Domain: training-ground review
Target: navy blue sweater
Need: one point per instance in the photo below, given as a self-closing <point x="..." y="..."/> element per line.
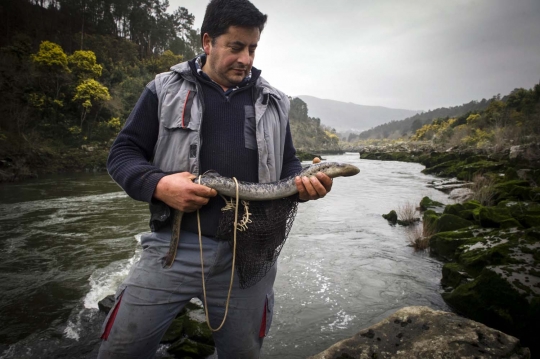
<point x="129" y="160"/>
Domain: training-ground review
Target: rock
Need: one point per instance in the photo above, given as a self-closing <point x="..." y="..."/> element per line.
<point x="492" y="217"/>
<point x="427" y="203"/>
<point x="461" y="194"/>
<point x="515" y="152"/>
<point x="106" y="304"/>
<point x="391" y="217"/>
<point x="187" y="348"/>
<point x="421" y="332"/>
<point x="445" y="244"/>
<point x="450" y="222"/>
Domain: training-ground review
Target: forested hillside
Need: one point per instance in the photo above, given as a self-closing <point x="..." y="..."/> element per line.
<point x="72" y="70"/>
<point x="406" y="127"/>
<point x="308" y="133"/>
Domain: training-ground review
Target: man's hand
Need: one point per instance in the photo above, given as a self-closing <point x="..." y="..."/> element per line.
<point x="180" y="192"/>
<point x="314" y="187"/>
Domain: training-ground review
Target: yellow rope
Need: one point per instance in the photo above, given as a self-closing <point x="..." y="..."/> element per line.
<point x="233" y="263"/>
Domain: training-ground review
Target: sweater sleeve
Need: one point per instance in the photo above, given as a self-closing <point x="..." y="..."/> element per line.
<point x="291" y="163"/>
<point x="130" y="155"/>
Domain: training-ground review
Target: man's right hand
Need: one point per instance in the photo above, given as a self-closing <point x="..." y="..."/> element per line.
<point x="180" y="192"/>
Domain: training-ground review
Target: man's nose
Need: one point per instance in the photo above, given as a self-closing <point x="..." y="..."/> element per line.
<point x="245" y="57"/>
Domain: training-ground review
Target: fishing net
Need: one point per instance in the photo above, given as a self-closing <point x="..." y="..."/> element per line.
<point x="263" y="227"/>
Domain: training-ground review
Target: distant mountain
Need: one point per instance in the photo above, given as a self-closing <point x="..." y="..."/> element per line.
<point x="345" y="116"/>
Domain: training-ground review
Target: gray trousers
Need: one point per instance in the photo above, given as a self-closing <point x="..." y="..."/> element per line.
<point x="151" y="297"/>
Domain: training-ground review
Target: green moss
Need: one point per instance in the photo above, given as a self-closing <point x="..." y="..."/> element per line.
<point x="511" y="174"/>
<point x="491" y="217"/>
<point x="187" y="348"/>
<point x="454" y="209"/>
<point x="453" y="274"/>
<point x="450" y="222"/>
<point x="175" y="331"/>
<point x="491" y="300"/>
<point x="427" y="203"/>
<point x="445" y="244"/>
<point x="391" y="217"/>
<point x="390" y="156"/>
<point x="532" y="220"/>
<point x="471" y="205"/>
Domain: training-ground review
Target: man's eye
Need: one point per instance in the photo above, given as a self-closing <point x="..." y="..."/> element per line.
<point x="236" y="49"/>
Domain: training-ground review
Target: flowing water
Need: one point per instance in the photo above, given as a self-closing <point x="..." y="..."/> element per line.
<point x="68" y="241"/>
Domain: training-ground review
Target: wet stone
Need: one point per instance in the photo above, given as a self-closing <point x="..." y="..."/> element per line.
<point x="449" y="336"/>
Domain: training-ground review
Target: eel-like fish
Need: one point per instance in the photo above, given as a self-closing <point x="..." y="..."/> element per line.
<point x="251" y="191"/>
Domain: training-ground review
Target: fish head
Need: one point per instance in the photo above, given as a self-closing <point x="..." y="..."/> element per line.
<point x="333" y="169"/>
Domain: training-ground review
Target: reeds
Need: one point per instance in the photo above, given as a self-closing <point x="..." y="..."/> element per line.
<point x="483" y="189"/>
<point x="420" y="234"/>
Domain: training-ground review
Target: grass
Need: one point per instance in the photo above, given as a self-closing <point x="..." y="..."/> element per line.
<point x="407" y="213"/>
<point x="483" y="189"/>
<point x="419" y="235"/>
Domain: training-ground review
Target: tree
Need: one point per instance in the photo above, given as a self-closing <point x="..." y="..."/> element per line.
<point x="83" y="65"/>
<point x="88" y="93"/>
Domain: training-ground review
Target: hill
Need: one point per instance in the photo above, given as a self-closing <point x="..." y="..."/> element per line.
<point x="344" y="116"/>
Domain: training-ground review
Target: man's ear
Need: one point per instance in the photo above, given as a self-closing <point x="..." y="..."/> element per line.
<point x="207" y="43"/>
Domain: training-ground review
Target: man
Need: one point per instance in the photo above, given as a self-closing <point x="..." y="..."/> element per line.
<point x="213" y="112"/>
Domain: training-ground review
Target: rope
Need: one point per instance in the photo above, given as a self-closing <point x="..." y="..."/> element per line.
<point x="232" y="268"/>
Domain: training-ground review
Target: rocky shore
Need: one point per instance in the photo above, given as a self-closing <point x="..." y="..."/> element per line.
<point x="490" y="238"/>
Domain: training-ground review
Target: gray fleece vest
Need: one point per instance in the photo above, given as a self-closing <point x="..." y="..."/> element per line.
<point x="180" y="113"/>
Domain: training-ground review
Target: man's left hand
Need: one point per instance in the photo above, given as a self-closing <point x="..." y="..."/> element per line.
<point x="314" y="187"/>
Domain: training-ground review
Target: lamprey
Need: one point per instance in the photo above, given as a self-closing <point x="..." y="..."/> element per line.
<point x="251" y="191"/>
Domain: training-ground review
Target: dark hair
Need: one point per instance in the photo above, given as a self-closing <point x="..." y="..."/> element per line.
<point x="220" y="14"/>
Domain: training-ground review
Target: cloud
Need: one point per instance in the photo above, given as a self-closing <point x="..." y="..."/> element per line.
<point x="403" y="54"/>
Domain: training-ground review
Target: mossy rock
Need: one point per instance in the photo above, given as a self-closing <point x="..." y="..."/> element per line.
<point x="306" y="156"/>
<point x="434" y="158"/>
<point x="197" y="330"/>
<point x="453" y="275"/>
<point x="531" y="220"/>
<point x="491" y="217"/>
<point x="471" y="205"/>
<point x="512" y="190"/>
<point x="490" y="250"/>
<point x="389" y="156"/>
<point x="511" y="174"/>
<point x="430" y="218"/>
<point x="187" y="348"/>
<point x="391" y="217"/>
<point x="482" y="166"/>
<point x="175" y="331"/>
<point x="427" y="203"/>
<point x="445" y="244"/>
<point x="454" y="209"/>
<point x="450" y="222"/>
<point x="511" y="223"/>
<point x="495" y="299"/>
<point x="444" y="169"/>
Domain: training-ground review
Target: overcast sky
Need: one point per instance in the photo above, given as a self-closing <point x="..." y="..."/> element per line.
<point x="409" y="54"/>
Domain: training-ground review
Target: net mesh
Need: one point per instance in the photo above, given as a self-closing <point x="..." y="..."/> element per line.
<point x="263" y="227"/>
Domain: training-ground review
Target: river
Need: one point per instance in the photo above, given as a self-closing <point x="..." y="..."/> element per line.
<point x="67" y="241"/>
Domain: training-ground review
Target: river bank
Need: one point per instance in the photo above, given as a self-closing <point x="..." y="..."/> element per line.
<point x="489" y="239"/>
<point x="18" y="163"/>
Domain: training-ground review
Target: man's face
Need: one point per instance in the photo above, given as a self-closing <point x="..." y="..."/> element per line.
<point x="230" y="57"/>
